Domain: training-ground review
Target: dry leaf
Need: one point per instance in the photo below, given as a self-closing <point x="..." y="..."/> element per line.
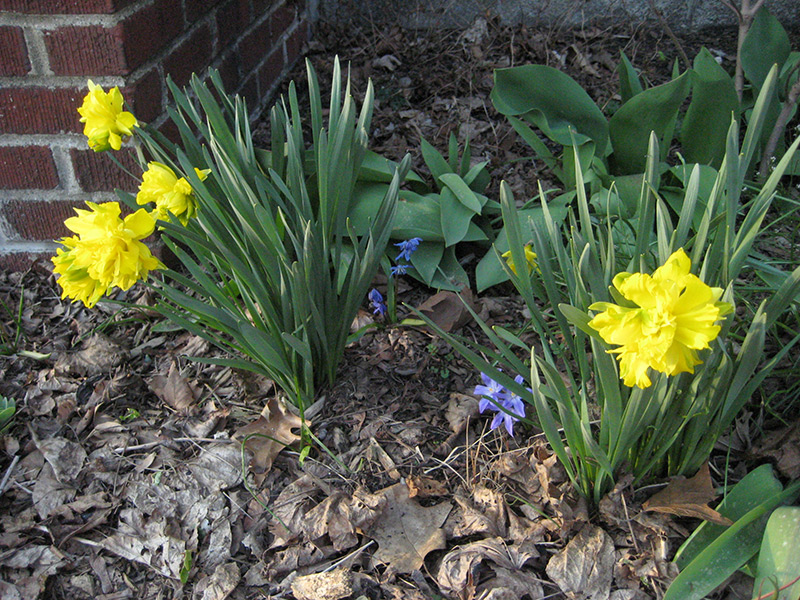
<point x="99" y="355"/>
<point x="65" y="457"/>
<point x="584" y="568"/>
<point x="219" y="467"/>
<point x="447" y="309"/>
<point x="783" y="446"/>
<point x="332" y="585"/>
<point x="290" y="509"/>
<point x="688" y="498"/>
<point x="460" y="409"/>
<point x="425" y="487"/>
<point x="219" y="584"/>
<point x="460" y="569"/>
<point x="333" y="517"/>
<point x="173" y="389"/>
<point x="268" y="435"/>
<point x="405" y="531"/>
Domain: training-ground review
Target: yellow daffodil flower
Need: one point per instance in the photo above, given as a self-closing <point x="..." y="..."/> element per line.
<point x="674" y="316"/>
<point x="530" y="258"/>
<point x="105" y="123"/>
<point x="106" y="253"/>
<point x="171" y="195"/>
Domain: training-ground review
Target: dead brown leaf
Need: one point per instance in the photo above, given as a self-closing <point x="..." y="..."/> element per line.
<point x="460" y="409"/>
<point x="331" y="585"/>
<point x="65" y="457"/>
<point x="425" y="487"/>
<point x="99" y="355"/>
<point x="783" y="446"/>
<point x="268" y="435"/>
<point x="173" y="389"/>
<point x="498" y="568"/>
<point x="583" y="569"/>
<point x="688" y="498"/>
<point x="219" y="584"/>
<point x="290" y="509"/>
<point x="447" y="309"/>
<point x="332" y="517"/>
<point x="405" y="531"/>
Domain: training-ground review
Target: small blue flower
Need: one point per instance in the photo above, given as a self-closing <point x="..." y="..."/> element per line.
<point x="490" y="390"/>
<point x="377" y="302"/>
<point x="495" y="396"/>
<point x="400" y="269"/>
<point x="407" y="248"/>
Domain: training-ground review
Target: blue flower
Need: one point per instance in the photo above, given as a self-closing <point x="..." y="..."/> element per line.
<point x="407" y="248"/>
<point x="400" y="269"/>
<point x="495" y="396"/>
<point x="377" y="302"/>
<point x="490" y="390"/>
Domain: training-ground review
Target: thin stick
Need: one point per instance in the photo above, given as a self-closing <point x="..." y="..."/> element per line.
<point x="148" y="445"/>
<point x="8" y="474"/>
<point x="780" y="125"/>
<point x="663" y="22"/>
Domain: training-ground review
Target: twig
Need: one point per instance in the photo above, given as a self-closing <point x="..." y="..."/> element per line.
<point x="148" y="445"/>
<point x="780" y="589"/>
<point x="780" y="124"/>
<point x="8" y="474"/>
<point x="745" y="16"/>
<point x="663" y="22"/>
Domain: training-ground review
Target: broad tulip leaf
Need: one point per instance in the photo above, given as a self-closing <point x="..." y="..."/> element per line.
<point x="765" y="44"/>
<point x="655" y="110"/>
<point x="629" y="84"/>
<point x="777" y="561"/>
<point x="551" y="100"/>
<point x="455" y="217"/>
<point x="714" y="103"/>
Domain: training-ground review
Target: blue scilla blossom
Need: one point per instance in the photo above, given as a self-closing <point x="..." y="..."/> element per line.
<point x="495" y="396"/>
<point x="407" y="248"/>
<point x="377" y="302"/>
<point x="400" y="269"/>
<point x="490" y="390"/>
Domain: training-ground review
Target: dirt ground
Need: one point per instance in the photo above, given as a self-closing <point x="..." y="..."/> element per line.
<point x="123" y="472"/>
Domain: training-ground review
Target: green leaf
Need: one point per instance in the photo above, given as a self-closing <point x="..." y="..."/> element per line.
<point x="455" y="217"/>
<point x="728" y="552"/>
<point x="777" y="561"/>
<point x="629" y="84"/>
<point x="462" y="191"/>
<point x="426" y="260"/>
<point x="714" y="103"/>
<point x="756" y="487"/>
<point x="489" y="270"/>
<point x="654" y="109"/>
<point x="765" y="44"/>
<point x="436" y="163"/>
<point x="553" y="101"/>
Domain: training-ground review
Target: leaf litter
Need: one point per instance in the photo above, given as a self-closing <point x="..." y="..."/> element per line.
<point x="134" y="473"/>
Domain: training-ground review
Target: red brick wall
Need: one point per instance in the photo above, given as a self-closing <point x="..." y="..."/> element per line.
<point x="49" y="48"/>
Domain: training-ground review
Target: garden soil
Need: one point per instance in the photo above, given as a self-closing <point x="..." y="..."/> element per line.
<point x="130" y="471"/>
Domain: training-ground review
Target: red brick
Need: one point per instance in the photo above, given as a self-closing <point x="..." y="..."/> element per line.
<point x="13" y="52"/>
<point x="281" y="20"/>
<point x="64" y="7"/>
<point x="294" y="45"/>
<point x="229" y="71"/>
<point x="270" y="71"/>
<point x="255" y="46"/>
<point x="22" y="261"/>
<point x="40" y="110"/>
<point x="232" y="19"/>
<point x="147" y="31"/>
<point x="27" y="168"/>
<point x="195" y="9"/>
<point x="97" y="172"/>
<point x="38" y="220"/>
<point x="193" y="55"/>
<point x="91" y="50"/>
<point x="169" y="130"/>
<point x="249" y="91"/>
<point x="144" y="96"/>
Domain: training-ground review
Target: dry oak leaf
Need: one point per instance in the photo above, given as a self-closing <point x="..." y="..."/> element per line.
<point x="220" y="584"/>
<point x="583" y="569"/>
<point x="405" y="531"/>
<point x="459" y="570"/>
<point x="330" y="585"/>
<point x="268" y="435"/>
<point x="447" y="309"/>
<point x="173" y="389"/>
<point x="688" y="498"/>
